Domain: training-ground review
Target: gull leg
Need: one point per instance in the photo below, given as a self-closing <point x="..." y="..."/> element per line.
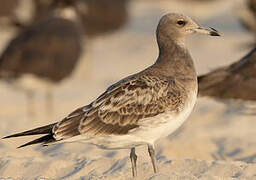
<point x="133" y="158"/>
<point x="31" y="104"/>
<point x="49" y="102"/>
<point x="85" y="65"/>
<point x="152" y="155"/>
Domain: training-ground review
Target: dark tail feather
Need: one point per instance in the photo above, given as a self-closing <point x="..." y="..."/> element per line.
<point x="45" y="139"/>
<point x="41" y="130"/>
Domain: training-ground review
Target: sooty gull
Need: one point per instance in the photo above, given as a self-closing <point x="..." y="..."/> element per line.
<point x="97" y="16"/>
<point x="140" y="108"/>
<point x="235" y="81"/>
<point x="41" y="55"/>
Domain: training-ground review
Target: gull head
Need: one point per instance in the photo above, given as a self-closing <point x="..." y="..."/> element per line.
<point x="178" y="26"/>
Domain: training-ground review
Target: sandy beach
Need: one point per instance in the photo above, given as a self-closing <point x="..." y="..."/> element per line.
<point x="216" y="142"/>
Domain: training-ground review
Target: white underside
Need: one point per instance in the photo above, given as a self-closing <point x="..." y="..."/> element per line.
<point x="149" y="131"/>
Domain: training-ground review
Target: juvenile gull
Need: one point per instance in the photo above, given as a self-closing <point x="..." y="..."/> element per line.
<point x="140" y="108"/>
<point x="97" y="17"/>
<point x="42" y="54"/>
<point x="235" y="81"/>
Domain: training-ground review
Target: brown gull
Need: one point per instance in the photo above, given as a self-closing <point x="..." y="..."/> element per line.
<point x="141" y="108"/>
<point x="42" y="55"/>
<point x="235" y="81"/>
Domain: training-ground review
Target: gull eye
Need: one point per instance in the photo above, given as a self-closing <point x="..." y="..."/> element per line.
<point x="181" y="22"/>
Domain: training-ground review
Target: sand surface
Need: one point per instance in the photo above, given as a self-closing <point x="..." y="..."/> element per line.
<point x="217" y="141"/>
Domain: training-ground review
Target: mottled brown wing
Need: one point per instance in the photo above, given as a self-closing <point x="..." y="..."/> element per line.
<point x="120" y="108"/>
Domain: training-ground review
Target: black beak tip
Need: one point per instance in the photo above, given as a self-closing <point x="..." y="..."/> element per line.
<point x="214" y="32"/>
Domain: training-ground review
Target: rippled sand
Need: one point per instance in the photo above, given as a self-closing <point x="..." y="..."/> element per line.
<point x="217" y="141"/>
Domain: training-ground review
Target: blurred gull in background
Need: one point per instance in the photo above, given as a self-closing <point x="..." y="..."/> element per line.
<point x="41" y="55"/>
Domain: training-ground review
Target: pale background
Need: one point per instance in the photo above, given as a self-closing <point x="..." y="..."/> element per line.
<point x="210" y="145"/>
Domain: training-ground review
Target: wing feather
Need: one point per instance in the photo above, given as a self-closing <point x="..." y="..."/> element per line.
<point x="121" y="108"/>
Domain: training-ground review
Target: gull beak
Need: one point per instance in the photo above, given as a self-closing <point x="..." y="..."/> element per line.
<point x="210" y="31"/>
